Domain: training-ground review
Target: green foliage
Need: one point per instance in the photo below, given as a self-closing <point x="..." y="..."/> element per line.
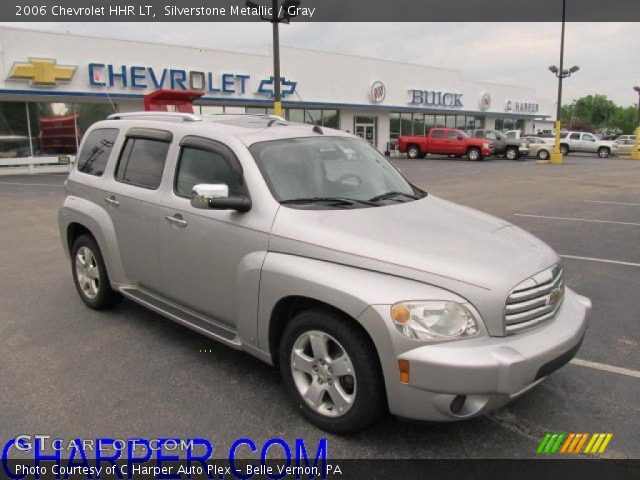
<point x="599" y="113"/>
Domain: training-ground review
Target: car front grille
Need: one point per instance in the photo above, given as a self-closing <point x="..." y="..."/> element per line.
<point x="534" y="301"/>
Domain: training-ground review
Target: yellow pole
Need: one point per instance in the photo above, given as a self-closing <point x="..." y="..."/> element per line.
<point x="277" y="109"/>
<point x="556" y="156"/>
<point x="635" y="154"/>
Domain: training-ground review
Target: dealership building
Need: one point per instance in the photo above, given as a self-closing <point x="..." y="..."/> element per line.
<point x="54" y="86"/>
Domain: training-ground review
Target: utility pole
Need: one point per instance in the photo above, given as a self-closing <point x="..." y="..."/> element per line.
<point x="561" y="73"/>
<point x="276" y="19"/>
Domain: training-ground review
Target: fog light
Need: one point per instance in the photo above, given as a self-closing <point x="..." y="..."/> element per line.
<point x="457" y="404"/>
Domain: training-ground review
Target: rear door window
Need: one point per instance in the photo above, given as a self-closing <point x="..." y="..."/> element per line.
<point x="96" y="150"/>
<point x="142" y="162"/>
<point x="437" y="134"/>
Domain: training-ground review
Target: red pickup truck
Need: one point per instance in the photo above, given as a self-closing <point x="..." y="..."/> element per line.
<point x="445" y="141"/>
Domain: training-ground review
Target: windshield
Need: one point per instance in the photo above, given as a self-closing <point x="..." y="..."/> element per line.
<point x="316" y="170"/>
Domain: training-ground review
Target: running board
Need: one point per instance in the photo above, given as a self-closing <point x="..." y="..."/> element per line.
<point x="189" y="319"/>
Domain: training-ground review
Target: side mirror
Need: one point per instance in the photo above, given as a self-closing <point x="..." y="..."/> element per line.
<point x="209" y="196"/>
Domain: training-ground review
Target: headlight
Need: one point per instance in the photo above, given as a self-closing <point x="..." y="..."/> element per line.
<point x="434" y="320"/>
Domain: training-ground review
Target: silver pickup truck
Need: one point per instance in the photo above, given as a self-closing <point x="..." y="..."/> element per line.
<point x="306" y="247"/>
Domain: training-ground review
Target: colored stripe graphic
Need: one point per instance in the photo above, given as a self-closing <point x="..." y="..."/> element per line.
<point x="558" y="442"/>
<point x="550" y="443"/>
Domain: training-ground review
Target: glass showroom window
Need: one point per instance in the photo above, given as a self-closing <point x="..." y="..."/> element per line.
<point x="451" y="121"/>
<point x="461" y="122"/>
<point x="429" y="123"/>
<point x="256" y="110"/>
<point x="440" y="121"/>
<point x="14" y="130"/>
<point x="41" y="129"/>
<point x="418" y="124"/>
<point x="406" y="124"/>
<point x="295" y="115"/>
<point x="331" y="119"/>
<point x="209" y="109"/>
<point x="394" y="125"/>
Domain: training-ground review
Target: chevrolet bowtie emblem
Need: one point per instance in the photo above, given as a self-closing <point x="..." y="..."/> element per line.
<point x="41" y="71"/>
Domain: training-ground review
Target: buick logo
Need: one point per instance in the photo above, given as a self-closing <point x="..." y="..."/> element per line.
<point x="485" y="101"/>
<point x="378" y="92"/>
<point x="554" y="296"/>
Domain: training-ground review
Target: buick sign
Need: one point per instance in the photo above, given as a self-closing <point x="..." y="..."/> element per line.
<point x="485" y="101"/>
<point x="433" y="98"/>
<point x="378" y="92"/>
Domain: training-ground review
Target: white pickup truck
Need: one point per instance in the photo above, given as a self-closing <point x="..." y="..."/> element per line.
<point x="584" y="142"/>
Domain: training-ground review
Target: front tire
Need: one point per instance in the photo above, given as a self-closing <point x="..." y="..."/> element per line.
<point x="474" y="154"/>
<point x="90" y="274"/>
<point x="604" y="152"/>
<point x="332" y="371"/>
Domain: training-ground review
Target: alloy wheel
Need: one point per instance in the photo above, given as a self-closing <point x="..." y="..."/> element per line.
<point x="87" y="272"/>
<point x="323" y="373"/>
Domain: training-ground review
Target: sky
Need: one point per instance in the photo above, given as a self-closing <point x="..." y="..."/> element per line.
<point x="506" y="53"/>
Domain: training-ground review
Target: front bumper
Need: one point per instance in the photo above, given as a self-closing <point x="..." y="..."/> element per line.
<point x="488" y="371"/>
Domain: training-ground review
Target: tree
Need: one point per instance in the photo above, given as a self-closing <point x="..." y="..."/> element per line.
<point x="597" y="112"/>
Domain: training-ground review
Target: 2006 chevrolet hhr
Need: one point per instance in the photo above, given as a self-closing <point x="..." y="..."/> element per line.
<point x="305" y="247"/>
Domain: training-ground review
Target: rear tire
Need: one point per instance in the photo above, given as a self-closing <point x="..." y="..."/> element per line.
<point x="474" y="154"/>
<point x="604" y="152"/>
<point x="564" y="149"/>
<point x="543" y="155"/>
<point x="511" y="154"/>
<point x="90" y="274"/>
<point x="322" y="356"/>
<point x="413" y="152"/>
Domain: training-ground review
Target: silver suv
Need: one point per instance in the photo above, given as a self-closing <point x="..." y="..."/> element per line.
<point x="307" y="248"/>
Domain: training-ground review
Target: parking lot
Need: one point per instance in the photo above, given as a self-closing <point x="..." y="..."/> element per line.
<point x="72" y="372"/>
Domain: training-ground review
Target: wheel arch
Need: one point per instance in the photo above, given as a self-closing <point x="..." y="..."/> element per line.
<point x="78" y="216"/>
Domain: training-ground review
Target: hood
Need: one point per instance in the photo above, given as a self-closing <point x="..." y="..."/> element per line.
<point x="475" y="255"/>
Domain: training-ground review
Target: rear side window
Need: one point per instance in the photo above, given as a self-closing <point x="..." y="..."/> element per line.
<point x="142" y="162"/>
<point x="437" y="134"/>
<point x="96" y="150"/>
<point x="575" y="136"/>
<point x="204" y="166"/>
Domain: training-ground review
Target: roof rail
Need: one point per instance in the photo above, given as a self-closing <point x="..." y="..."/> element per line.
<point x="185" y="117"/>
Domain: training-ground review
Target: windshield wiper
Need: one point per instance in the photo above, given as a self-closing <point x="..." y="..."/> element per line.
<point x="388" y="195"/>
<point x="336" y="200"/>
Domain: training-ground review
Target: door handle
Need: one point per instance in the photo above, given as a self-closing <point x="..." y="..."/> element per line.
<point x="111" y="201"/>
<point x="178" y="221"/>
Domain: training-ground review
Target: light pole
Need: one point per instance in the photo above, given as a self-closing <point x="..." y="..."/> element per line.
<point x="278" y="16"/>
<point x="635" y="154"/>
<point x="561" y="73"/>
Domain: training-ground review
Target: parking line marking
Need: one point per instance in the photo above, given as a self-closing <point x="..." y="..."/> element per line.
<point x="603" y="260"/>
<point x="614" y="203"/>
<point x="32" y="184"/>
<point x="577" y="219"/>
<point x="606" y="368"/>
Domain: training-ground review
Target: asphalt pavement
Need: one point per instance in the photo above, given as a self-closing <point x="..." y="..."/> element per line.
<point x="68" y="371"/>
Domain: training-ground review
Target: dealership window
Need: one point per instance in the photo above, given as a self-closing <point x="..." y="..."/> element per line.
<point x="440" y="121"/>
<point x="209" y="109"/>
<point x="326" y="117"/>
<point x="418" y="124"/>
<point x="406" y="124"/>
<point x="14" y="130"/>
<point x="450" y="121"/>
<point x="505" y="124"/>
<point x="461" y="122"/>
<point x="394" y="125"/>
<point x="46" y="129"/>
<point x="429" y="122"/>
